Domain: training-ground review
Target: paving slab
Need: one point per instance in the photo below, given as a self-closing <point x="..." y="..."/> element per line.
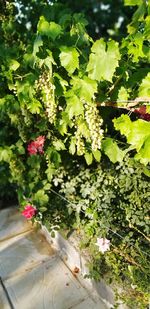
<point x="12" y="223"/>
<point x="22" y="252"/>
<point x="48" y="286"/>
<point x="34" y="274"/>
<point x="4" y="304"/>
<point x="90" y="304"/>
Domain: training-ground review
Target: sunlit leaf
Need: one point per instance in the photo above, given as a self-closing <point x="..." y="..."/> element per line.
<point x="144" y="89"/>
<point x="88" y="157"/>
<point x="103" y="60"/>
<point x="136" y="132"/>
<point x="97" y="155"/>
<point x="85" y="88"/>
<point x="74" y="106"/>
<point x="51" y="29"/>
<point x="132" y="2"/>
<point x="69" y="58"/>
<point x="111" y="149"/>
<point x="14" y="64"/>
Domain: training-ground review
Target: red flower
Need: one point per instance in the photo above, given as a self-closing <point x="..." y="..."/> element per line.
<point x="36" y="146"/>
<point x="29" y="211"/>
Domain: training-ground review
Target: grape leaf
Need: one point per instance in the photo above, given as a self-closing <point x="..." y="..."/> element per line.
<point x="135" y="47"/>
<point x="13" y="64"/>
<point x="132" y="2"/>
<point x="123" y="94"/>
<point x="97" y="155"/>
<point x="59" y="145"/>
<point x="83" y="127"/>
<point x="34" y="106"/>
<point x="74" y="106"/>
<point x="103" y="60"/>
<point x="43" y="26"/>
<point x="89" y="158"/>
<point x="69" y="58"/>
<point x="20" y="148"/>
<point x="144" y="89"/>
<point x="147" y="28"/>
<point x="37" y="43"/>
<point x="148" y="109"/>
<point x="111" y="149"/>
<point x="5" y="154"/>
<point x="139" y="13"/>
<point x="40" y="197"/>
<point x="42" y="209"/>
<point x="64" y="122"/>
<point x="144" y="154"/>
<point x="85" y="88"/>
<point x="51" y="29"/>
<point x="50" y="171"/>
<point x="136" y="132"/>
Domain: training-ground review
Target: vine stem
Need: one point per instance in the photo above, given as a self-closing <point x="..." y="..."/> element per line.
<point x="136" y="229"/>
<point x="131" y="103"/>
<point x="127" y="258"/>
<point x="115" y="83"/>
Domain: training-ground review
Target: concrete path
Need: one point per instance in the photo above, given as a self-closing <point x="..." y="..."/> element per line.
<point x="32" y="274"/>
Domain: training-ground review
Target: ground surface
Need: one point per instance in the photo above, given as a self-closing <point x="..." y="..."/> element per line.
<point x="32" y="274"/>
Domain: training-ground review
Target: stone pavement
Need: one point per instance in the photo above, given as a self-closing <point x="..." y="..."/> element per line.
<point x="32" y="273"/>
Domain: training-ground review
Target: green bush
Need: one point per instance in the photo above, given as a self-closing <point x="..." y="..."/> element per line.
<point x="111" y="201"/>
<point x="54" y="79"/>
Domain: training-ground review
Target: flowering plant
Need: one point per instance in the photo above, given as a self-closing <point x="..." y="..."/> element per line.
<point x="103" y="244"/>
<point x="29" y="211"/>
<point x="36" y="146"/>
<point x="55" y="81"/>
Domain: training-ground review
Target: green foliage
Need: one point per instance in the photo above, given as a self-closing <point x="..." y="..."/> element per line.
<point x="112" y="202"/>
<point x="137" y="134"/>
<point x="53" y="79"/>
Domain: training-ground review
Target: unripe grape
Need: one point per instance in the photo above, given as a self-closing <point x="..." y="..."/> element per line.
<point x="47" y="94"/>
<point x="94" y="122"/>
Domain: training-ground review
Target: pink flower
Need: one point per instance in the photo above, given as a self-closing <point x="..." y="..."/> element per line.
<point x="36" y="146"/>
<point x="32" y="149"/>
<point x="29" y="211"/>
<point x="103" y="244"/>
<point x="40" y="143"/>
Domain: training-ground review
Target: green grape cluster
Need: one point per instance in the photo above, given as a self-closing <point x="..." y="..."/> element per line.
<point x="47" y="89"/>
<point x="94" y="122"/>
<point x="79" y="142"/>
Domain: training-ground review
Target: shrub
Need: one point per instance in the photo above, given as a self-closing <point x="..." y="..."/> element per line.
<point x="112" y="201"/>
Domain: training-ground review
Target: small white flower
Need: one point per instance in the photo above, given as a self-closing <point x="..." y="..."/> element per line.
<point x="55" y="182"/>
<point x="103" y="244"/>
